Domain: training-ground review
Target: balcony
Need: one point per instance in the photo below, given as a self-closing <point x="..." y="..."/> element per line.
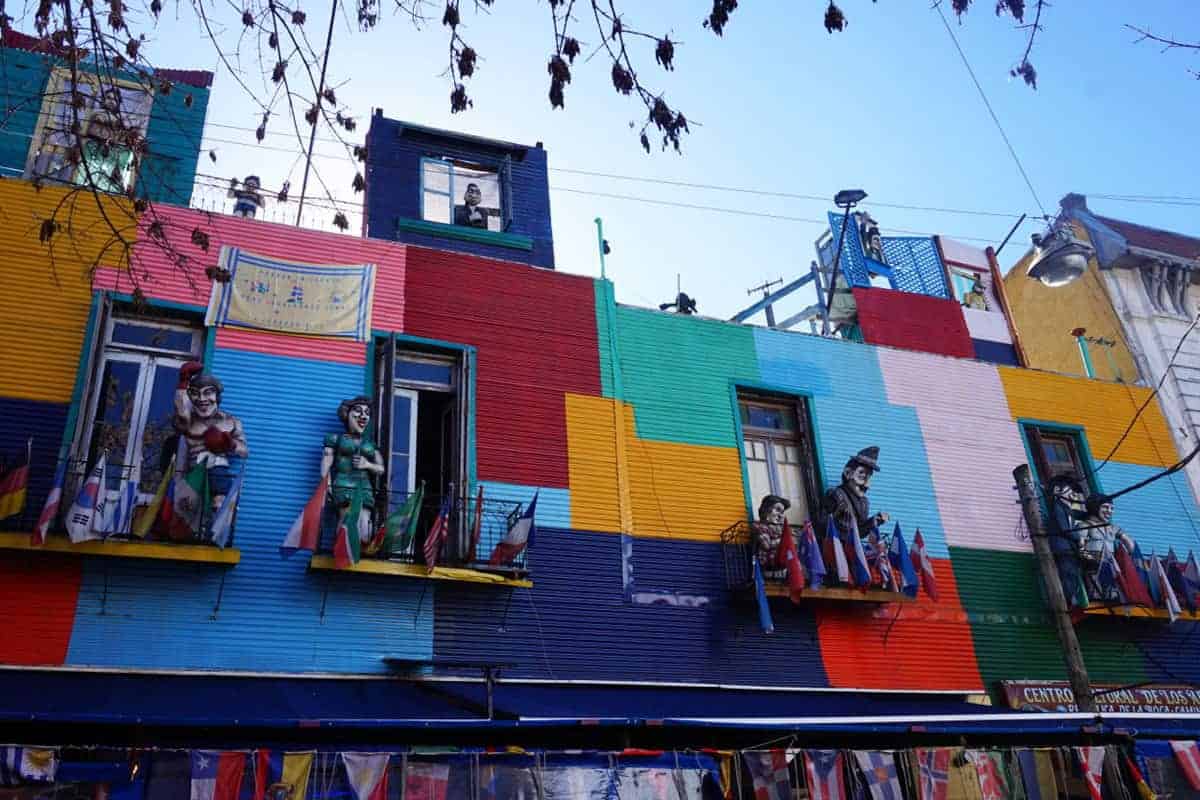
<point x="457" y="560"/>
<point x="211" y="193"/>
<point x="738" y="554"/>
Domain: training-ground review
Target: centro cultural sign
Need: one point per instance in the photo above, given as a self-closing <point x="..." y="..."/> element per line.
<point x="1110" y="697"/>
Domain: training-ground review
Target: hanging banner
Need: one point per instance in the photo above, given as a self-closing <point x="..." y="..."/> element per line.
<point x="286" y="296"/>
<point x="1111" y="697"/>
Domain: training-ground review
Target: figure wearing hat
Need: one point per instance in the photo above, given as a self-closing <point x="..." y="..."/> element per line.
<point x="768" y="532"/>
<point x="847" y="502"/>
<point x="1068" y="512"/>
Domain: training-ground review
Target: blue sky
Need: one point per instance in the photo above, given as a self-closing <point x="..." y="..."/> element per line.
<point x="778" y="105"/>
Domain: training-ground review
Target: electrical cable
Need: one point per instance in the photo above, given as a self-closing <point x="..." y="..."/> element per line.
<point x="991" y="111"/>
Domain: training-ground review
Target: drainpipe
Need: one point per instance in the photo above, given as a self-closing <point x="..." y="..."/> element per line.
<point x="1081" y="340"/>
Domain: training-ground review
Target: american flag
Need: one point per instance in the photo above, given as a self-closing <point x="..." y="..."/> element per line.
<point x="437" y="533"/>
<point x="823" y="770"/>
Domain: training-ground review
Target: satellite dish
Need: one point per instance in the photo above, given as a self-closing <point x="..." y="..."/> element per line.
<point x="1059" y="258"/>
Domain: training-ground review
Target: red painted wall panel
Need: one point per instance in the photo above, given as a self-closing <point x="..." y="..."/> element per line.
<point x="921" y="645"/>
<point x="38" y="594"/>
<point x="913" y="322"/>
<point x="535" y="332"/>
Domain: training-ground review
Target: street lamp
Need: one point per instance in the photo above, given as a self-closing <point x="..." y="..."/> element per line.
<point x="846" y="199"/>
<point x="1058" y="257"/>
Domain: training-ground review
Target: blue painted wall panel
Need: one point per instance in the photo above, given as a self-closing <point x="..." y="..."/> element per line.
<point x="553" y="508"/>
<point x="393" y="176"/>
<point x="168" y="170"/>
<point x="19" y="420"/>
<point x="274" y="614"/>
<point x="1158" y="516"/>
<point x="575" y="624"/>
<point x="850" y="411"/>
<point x="23" y="79"/>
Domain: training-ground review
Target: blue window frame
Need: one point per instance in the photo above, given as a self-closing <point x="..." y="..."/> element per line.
<point x="444" y="187"/>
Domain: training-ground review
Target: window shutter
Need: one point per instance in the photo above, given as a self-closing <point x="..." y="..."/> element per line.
<point x="385" y="367"/>
<point x="506" y="191"/>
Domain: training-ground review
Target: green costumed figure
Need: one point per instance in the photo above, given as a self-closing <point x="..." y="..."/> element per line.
<point x="350" y="460"/>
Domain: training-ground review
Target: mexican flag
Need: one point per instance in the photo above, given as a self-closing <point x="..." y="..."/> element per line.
<point x="193" y="500"/>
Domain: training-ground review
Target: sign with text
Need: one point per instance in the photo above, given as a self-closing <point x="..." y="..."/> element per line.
<point x="274" y="295"/>
<point x="1111" y="697"/>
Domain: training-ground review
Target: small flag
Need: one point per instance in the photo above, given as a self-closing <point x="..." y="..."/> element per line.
<point x="1187" y="756"/>
<point x="88" y="507"/>
<point x="217" y="775"/>
<point x="1168" y="594"/>
<point x="769" y="773"/>
<point x="426" y="781"/>
<point x="519" y="537"/>
<point x="1130" y="580"/>
<point x="992" y="785"/>
<point x="305" y="533"/>
<point x="1109" y="573"/>
<point x="279" y="774"/>
<point x="367" y="774"/>
<point x="50" y="508"/>
<point x="879" y="555"/>
<point x="21" y="765"/>
<point x="193" y="498"/>
<point x="1147" y="574"/>
<point x="1191" y="579"/>
<point x="787" y="555"/>
<point x="1091" y="760"/>
<point x="760" y="595"/>
<point x="222" y="524"/>
<point x="396" y="533"/>
<point x="933" y="767"/>
<point x="856" y="557"/>
<point x="902" y="562"/>
<point x="145" y="521"/>
<point x="353" y="529"/>
<point x="1174" y="569"/>
<point x="1139" y="781"/>
<point x="810" y="557"/>
<point x="118" y="515"/>
<point x="834" y="552"/>
<point x="476" y="527"/>
<point x="824" y="773"/>
<point x="15" y="485"/>
<point x="440" y="529"/>
<point x="924" y="566"/>
<point x="878" y="769"/>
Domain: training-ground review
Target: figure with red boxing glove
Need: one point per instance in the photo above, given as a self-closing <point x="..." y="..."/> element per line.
<point x="214" y="438"/>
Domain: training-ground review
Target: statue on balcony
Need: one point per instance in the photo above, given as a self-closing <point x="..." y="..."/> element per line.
<point x="247" y="199"/>
<point x="768" y="532"/>
<point x="214" y="438"/>
<point x="351" y="461"/>
<point x="872" y="241"/>
<point x="1067" y="514"/>
<point x="847" y="502"/>
<point x="1101" y="538"/>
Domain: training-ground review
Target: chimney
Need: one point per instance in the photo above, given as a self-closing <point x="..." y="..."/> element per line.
<point x="1073" y="202"/>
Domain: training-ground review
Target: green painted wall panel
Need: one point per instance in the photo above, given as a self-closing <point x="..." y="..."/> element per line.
<point x="169" y="169"/>
<point x="1013" y="633"/>
<point x="23" y="79"/>
<point x="676" y="371"/>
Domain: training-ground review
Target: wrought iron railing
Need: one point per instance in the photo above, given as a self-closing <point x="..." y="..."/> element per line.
<point x="462" y="547"/>
<point x="211" y="193"/>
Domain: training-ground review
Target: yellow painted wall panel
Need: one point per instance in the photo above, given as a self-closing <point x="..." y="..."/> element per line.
<point x="45" y="295"/>
<point x="674" y="490"/>
<point x="1045" y="317"/>
<point x="1103" y="409"/>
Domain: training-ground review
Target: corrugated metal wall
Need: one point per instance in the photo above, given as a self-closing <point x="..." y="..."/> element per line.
<point x="168" y="169"/>
<point x="930" y="324"/>
<point x="23" y="77"/>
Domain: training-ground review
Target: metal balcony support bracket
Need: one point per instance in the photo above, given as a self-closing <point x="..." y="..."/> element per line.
<point x="489" y="670"/>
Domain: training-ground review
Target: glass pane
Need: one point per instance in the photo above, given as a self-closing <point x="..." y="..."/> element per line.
<point x="424" y="371"/>
<point x="399" y="480"/>
<point x="156" y="337"/>
<point x="402" y="446"/>
<point x="115" y="408"/>
<point x="159" y="435"/>
<point x="436" y="176"/>
<point x="773" y="417"/>
<point x="757" y="472"/>
<point x="436" y="208"/>
<point x="791" y="485"/>
<point x="477" y="198"/>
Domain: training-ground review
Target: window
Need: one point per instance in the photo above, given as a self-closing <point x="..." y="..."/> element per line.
<point x="112" y="118"/>
<point x="777" y="445"/>
<point x="424" y="424"/>
<point x="460" y="193"/>
<point x="130" y="405"/>
<point x="1056" y="452"/>
<point x="963" y="282"/>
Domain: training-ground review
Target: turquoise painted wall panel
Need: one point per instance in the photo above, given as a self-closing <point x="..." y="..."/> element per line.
<point x="23" y="79"/>
<point x="676" y="370"/>
<point x="274" y="614"/>
<point x="850" y="411"/>
<point x="604" y="323"/>
<point x="169" y="169"/>
<point x="1158" y="516"/>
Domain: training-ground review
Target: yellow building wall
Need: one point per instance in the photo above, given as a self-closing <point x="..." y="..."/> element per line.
<point x="1103" y="409"/>
<point x="45" y="292"/>
<point x="662" y="489"/>
<point x="1045" y="317"/>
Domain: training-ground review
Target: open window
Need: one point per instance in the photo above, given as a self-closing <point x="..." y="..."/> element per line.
<point x="463" y="193"/>
<point x="90" y="131"/>
<point x="127" y="413"/>
<point x="422" y="393"/>
<point x="777" y="446"/>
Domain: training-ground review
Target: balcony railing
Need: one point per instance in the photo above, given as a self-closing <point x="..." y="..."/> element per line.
<point x="211" y="193"/>
<point x="460" y="548"/>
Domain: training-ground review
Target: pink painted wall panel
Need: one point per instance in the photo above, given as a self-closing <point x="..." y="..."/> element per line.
<point x="283" y="344"/>
<point x="971" y="441"/>
<point x="161" y="279"/>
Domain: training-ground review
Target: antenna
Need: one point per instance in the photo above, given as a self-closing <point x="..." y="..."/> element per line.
<point x="765" y="288"/>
